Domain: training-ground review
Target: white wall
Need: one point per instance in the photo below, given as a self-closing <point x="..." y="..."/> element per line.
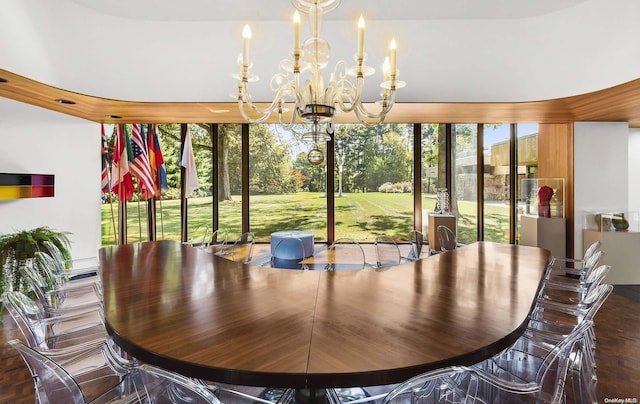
<point x="69" y="148"/>
<point x="579" y="49"/>
<point x="634" y="170"/>
<point x="601" y="171"/>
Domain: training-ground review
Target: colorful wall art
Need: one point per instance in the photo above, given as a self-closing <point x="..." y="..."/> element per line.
<point x="16" y="186"/>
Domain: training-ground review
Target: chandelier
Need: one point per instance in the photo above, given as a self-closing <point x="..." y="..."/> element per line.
<point x="315" y="99"/>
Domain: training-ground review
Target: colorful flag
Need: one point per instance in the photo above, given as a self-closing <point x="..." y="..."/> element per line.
<point x="106" y="178"/>
<point x="122" y="183"/>
<point x="156" y="161"/>
<point x="189" y="163"/>
<point x="140" y="165"/>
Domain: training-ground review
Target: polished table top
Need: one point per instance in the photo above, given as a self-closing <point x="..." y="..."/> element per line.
<point x="204" y="316"/>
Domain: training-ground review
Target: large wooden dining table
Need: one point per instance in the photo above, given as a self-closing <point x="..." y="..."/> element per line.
<point x="204" y="316"/>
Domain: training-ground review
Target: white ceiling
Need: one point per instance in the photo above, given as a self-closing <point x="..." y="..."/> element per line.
<point x="448" y="50"/>
<point x="270" y="10"/>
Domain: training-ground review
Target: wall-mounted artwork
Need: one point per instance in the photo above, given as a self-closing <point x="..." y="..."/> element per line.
<point x="16" y="186"/>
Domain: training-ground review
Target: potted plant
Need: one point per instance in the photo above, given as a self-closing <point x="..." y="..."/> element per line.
<point x="18" y="249"/>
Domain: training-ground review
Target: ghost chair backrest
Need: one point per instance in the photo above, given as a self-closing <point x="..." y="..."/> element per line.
<point x="387" y="251"/>
<point x="447" y="238"/>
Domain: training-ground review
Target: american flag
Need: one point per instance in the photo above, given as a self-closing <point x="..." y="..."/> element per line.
<point x="156" y="161"/>
<point x="122" y="183"/>
<point x="106" y="178"/>
<point x="140" y="165"/>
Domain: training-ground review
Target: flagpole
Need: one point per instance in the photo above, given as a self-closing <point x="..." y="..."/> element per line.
<point x="109" y="192"/>
<point x="161" y="219"/>
<point x="122" y="216"/>
<point x="139" y="220"/>
<point x="113" y="218"/>
<point x="151" y="218"/>
<point x="183" y="196"/>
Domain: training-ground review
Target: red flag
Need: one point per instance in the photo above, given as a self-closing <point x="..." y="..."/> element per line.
<point x="106" y="178"/>
<point x="140" y="165"/>
<point x="156" y="161"/>
<point x="120" y="170"/>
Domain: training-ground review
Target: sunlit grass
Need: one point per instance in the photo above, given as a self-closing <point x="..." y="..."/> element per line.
<point x="360" y="216"/>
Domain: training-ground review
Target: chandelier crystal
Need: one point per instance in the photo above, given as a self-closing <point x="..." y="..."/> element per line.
<point x="300" y="80"/>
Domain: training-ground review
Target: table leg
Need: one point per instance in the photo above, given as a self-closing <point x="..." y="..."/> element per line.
<point x="310" y="396"/>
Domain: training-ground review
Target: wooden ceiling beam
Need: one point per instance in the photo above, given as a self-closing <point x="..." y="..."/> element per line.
<point x="616" y="104"/>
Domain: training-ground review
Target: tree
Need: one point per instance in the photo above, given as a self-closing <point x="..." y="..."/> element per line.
<point x="270" y="169"/>
<point x="226" y="135"/>
<point x="313" y="176"/>
<point x="373" y="155"/>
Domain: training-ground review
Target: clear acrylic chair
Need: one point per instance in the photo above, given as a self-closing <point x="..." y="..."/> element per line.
<point x="560" y="274"/>
<point x="54" y="301"/>
<point x="199" y="237"/>
<point x="218" y="242"/>
<point x="572" y="309"/>
<point x="71" y="331"/>
<point x="242" y="249"/>
<point x="581" y="285"/>
<point x="416" y="239"/>
<point x="55" y="274"/>
<point x="506" y="378"/>
<point x="444" y="385"/>
<point x="53" y="298"/>
<point x="447" y="238"/>
<point x="387" y="251"/>
<point x="533" y="351"/>
<point x="571" y="295"/>
<point x="550" y="328"/>
<point x="163" y="386"/>
<point x="571" y="266"/>
<point x="345" y="253"/>
<point x="72" y="269"/>
<point x="54" y="384"/>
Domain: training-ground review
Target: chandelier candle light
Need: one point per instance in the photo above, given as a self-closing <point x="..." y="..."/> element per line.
<point x="314" y="100"/>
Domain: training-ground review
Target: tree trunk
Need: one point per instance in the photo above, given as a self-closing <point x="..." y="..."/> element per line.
<point x="224" y="189"/>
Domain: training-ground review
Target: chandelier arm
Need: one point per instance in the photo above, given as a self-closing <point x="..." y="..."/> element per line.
<point x="245" y="102"/>
<point x="335" y="88"/>
<point x="350" y="94"/>
<point x="364" y="120"/>
<point x="362" y="113"/>
<point x="301" y="102"/>
<point x="289" y="125"/>
<point x="264" y="114"/>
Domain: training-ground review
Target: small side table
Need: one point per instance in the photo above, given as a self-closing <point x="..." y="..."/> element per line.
<point x="435" y="220"/>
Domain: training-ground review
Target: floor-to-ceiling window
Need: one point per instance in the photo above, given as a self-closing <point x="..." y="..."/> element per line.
<point x="200" y="200"/>
<point x="497" y="163"/>
<point x="373" y="187"/>
<point x="464" y="192"/>
<point x="229" y="171"/>
<point x="433" y="166"/>
<point x="267" y="182"/>
<point x="286" y="190"/>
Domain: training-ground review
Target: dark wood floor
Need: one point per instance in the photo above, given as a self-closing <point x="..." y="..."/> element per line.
<point x="617" y="353"/>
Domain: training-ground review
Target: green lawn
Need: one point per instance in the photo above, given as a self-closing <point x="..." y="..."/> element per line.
<point x="360" y="216"/>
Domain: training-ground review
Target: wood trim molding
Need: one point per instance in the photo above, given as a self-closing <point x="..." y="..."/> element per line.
<point x="616" y="104"/>
<point x="555" y="160"/>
